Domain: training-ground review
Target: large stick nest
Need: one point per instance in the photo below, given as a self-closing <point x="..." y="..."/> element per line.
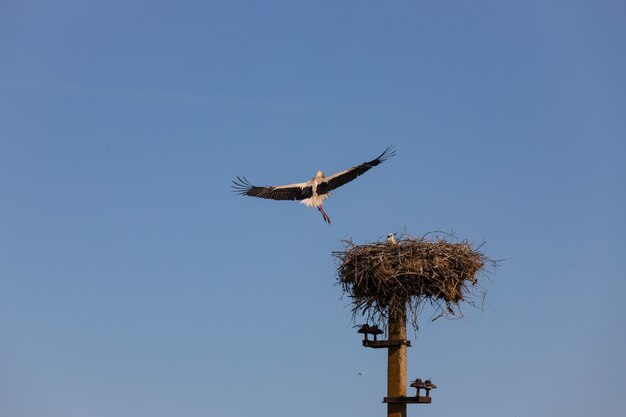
<point x="384" y="279"/>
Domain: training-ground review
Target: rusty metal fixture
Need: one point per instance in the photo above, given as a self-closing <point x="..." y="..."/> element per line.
<point x="378" y="344"/>
<point x="366" y="330"/>
<point x="408" y="400"/>
<point x="374" y="330"/>
<point x="426" y="385"/>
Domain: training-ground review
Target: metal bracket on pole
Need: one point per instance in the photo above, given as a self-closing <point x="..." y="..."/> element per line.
<point x="418" y="399"/>
<point x="366" y="330"/>
<point x="377" y="344"/>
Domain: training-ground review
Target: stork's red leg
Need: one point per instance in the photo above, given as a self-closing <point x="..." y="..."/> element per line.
<point x="322" y="211"/>
<point x="326" y="218"/>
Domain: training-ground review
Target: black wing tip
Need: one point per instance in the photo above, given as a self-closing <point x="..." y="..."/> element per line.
<point x="241" y="185"/>
<point x="387" y="153"/>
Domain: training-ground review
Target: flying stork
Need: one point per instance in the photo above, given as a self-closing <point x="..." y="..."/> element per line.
<point x="311" y="193"/>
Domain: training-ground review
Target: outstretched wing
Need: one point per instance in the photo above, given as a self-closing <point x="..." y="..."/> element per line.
<point x="344" y="177"/>
<point x="298" y="191"/>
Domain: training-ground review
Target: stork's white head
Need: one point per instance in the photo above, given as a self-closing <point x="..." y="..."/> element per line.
<point x="319" y="174"/>
<point x="391" y="238"/>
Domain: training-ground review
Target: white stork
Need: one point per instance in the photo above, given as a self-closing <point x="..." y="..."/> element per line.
<point x="311" y="193"/>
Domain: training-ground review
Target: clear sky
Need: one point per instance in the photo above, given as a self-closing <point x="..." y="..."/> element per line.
<point x="134" y="283"/>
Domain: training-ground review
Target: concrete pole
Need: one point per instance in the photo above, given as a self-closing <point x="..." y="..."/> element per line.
<point x="396" y="366"/>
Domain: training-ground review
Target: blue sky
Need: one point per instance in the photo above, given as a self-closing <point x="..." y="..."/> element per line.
<point x="135" y="283"/>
